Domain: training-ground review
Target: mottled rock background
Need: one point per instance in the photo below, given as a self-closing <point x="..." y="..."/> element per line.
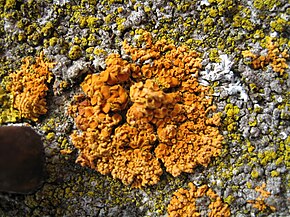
<point x="254" y="103"/>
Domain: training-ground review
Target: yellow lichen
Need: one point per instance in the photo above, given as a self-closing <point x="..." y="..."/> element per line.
<point x="29" y="87"/>
<point x="155" y="102"/>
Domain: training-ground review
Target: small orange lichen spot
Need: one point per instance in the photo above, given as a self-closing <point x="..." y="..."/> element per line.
<point x="134" y="114"/>
<point x="29" y="87"/>
<point x="66" y="151"/>
<point x="259" y="203"/>
<point x="183" y="202"/>
<point x="274" y="57"/>
<point x="218" y="208"/>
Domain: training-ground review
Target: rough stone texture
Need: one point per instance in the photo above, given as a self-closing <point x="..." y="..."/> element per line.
<point x="253" y="100"/>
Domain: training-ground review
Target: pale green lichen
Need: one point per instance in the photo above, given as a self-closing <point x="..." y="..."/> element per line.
<point x="255" y="174"/>
<point x="232" y="117"/>
<point x="267" y="156"/>
<point x="275" y="173"/>
<point x="214" y="55"/>
<point x="279" y="24"/>
<point x="229" y="199"/>
<point x="7" y="113"/>
<point x="93" y="22"/>
<point x="75" y="52"/>
<point x="50" y="136"/>
<point x="253" y="123"/>
<point x="285" y="149"/>
<point x="47" y="29"/>
<point x="266" y="4"/>
<point x="242" y="19"/>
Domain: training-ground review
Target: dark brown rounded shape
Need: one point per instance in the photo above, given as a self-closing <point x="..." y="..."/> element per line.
<point x="21" y="160"/>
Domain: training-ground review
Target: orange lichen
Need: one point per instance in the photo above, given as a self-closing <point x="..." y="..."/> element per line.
<point x="105" y="89"/>
<point x="259" y="203"/>
<point x="170" y="64"/>
<point x="217" y="207"/>
<point x="29" y="87"/>
<point x="183" y="202"/>
<point x="133" y="114"/>
<point x="66" y="151"/>
<point x="196" y="141"/>
<point x="274" y="57"/>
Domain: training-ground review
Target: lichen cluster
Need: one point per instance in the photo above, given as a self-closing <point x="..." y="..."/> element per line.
<point x="7" y="113"/>
<point x="248" y="73"/>
<point x="134" y="113"/>
<point x="183" y="202"/>
<point x="259" y="203"/>
<point x="28" y="87"/>
<point x="274" y="57"/>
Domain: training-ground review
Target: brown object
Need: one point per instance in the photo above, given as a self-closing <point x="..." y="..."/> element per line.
<point x="21" y="160"/>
